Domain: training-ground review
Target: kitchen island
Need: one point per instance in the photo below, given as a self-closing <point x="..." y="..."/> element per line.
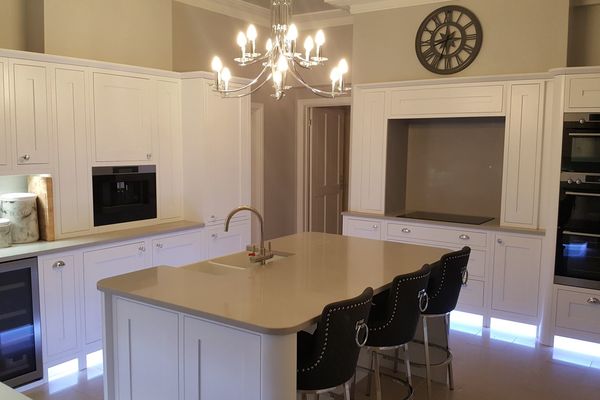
<point x="226" y="328"/>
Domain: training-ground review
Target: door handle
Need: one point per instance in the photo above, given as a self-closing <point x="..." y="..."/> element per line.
<point x="406" y="230"/>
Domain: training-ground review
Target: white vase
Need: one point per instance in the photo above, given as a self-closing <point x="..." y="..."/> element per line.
<point x="5" y="237"/>
<point x="21" y="210"/>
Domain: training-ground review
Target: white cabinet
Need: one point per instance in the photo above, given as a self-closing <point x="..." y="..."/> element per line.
<point x="71" y="135"/>
<point x="516" y="277"/>
<point x="122" y="118"/>
<point x="178" y="250"/>
<point x="4" y="116"/>
<point x="216" y="152"/>
<point x="577" y="313"/>
<point x="31" y="112"/>
<point x="220" y="243"/>
<point x="582" y="93"/>
<point x="522" y="155"/>
<point x="363" y="228"/>
<point x="212" y="352"/>
<point x="147" y="359"/>
<point x="104" y="263"/>
<point x="59" y="292"/>
<point x="169" y="173"/>
<point x="368" y="152"/>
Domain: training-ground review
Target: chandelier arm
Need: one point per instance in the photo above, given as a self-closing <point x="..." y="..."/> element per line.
<point x="245" y="86"/>
<point x="316" y="91"/>
<point x="298" y="61"/>
<point x="259" y="59"/>
<point x="229" y="95"/>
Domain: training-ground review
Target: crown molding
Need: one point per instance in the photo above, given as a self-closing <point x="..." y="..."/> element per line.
<point x="262" y="16"/>
<point x="365" y="6"/>
<point x="578" y="3"/>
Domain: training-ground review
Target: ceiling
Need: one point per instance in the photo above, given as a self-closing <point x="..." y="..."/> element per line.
<point x="300" y="6"/>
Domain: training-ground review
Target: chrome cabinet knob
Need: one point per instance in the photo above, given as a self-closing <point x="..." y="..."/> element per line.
<point x="569" y="181"/>
<point x="26" y="157"/>
<point x="464" y="237"/>
<point x="159" y="245"/>
<point x="593" y="300"/>
<point x="578" y="181"/>
<point x="406" y="230"/>
<point x="375" y="226"/>
<point x="500" y="241"/>
<point x="58" y="265"/>
<point x="214" y="236"/>
<point x="142" y="248"/>
<point x="149" y="156"/>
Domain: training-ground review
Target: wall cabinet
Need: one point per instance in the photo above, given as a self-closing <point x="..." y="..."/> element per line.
<point x="177" y="250"/>
<point x="368" y="151"/>
<point x="516" y="277"/>
<point x="122" y="118"/>
<point x="523" y="155"/>
<point x="212" y="352"/>
<point x="60" y="311"/>
<point x="169" y="173"/>
<point x="71" y="136"/>
<point x="5" y="153"/>
<point x="101" y="264"/>
<point x="220" y="243"/>
<point x="31" y="112"/>
<point x="582" y="93"/>
<point x="139" y="343"/>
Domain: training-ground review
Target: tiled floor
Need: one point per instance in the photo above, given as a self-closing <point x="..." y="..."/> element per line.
<point x="506" y="368"/>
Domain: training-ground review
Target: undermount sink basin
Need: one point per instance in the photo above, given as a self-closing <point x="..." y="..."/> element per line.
<point x="242" y="261"/>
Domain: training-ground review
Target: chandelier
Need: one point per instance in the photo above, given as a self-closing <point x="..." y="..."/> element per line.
<point x="281" y="59"/>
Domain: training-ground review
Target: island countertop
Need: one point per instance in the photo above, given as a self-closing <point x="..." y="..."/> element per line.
<point x="284" y="296"/>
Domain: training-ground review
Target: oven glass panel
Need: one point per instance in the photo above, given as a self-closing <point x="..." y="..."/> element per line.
<point x="17" y="333"/>
<point x="578" y="256"/>
<point x="579" y="211"/>
<point x="585" y="149"/>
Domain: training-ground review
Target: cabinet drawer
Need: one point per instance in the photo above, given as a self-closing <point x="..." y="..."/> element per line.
<point x="399" y="231"/>
<point x="362" y="228"/>
<point x="476" y="266"/>
<point x="573" y="311"/>
<point x="471" y="294"/>
<point x="583" y="93"/>
<point x="447" y="101"/>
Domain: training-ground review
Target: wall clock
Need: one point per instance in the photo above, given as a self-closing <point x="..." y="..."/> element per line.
<point x="449" y="40"/>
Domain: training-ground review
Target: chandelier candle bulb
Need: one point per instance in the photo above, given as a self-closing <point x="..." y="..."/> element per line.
<point x="269" y="45"/>
<point x="217" y="66"/>
<point x="226" y="77"/>
<point x="252" y="35"/>
<point x="335" y="77"/>
<point x="309" y="44"/>
<point x="320" y="41"/>
<point x="292" y="36"/>
<point x="241" y="41"/>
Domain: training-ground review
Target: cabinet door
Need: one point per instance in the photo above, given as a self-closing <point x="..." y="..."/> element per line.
<point x="4" y="112"/>
<point x="147" y="352"/>
<point x="220" y="362"/>
<point x="71" y="135"/>
<point x="522" y="155"/>
<point x="363" y="228"/>
<point x="122" y="118"/>
<point x="31" y="113"/>
<point x="516" y="276"/>
<point x="221" y="243"/>
<point x="59" y="291"/>
<point x="170" y="150"/>
<point x="101" y="264"/>
<point x="368" y="152"/>
<point x="179" y="250"/>
<point x="225" y="154"/>
<point x="583" y="93"/>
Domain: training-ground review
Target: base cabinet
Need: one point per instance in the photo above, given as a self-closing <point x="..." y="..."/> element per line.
<point x="147" y="359"/>
<point x="577" y="313"/>
<point x="59" y="295"/>
<point x="362" y="228"/>
<point x="178" y="250"/>
<point x="212" y="352"/>
<point x="220" y="243"/>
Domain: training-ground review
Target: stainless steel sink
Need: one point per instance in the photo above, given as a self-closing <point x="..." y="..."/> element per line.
<point x="242" y="261"/>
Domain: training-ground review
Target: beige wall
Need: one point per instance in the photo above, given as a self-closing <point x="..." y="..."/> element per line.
<point x="137" y="32"/>
<point x="519" y="36"/>
<point x="13" y="24"/>
<point x="584" y="36"/>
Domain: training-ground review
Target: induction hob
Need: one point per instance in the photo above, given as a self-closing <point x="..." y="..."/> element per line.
<point x="433" y="216"/>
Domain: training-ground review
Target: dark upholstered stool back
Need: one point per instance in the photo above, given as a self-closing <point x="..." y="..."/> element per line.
<point x="395" y="313"/>
<point x="328" y="357"/>
<point x="447" y="277"/>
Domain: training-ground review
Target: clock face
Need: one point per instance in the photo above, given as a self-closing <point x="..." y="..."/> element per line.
<point x="449" y="40"/>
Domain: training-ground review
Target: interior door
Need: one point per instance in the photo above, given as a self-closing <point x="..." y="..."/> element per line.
<point x="326" y="169"/>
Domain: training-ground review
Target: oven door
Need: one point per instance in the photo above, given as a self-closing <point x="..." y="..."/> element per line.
<point x="578" y="238"/>
<point x="581" y="147"/>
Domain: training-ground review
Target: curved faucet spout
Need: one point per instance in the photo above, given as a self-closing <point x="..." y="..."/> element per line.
<point x="260" y="220"/>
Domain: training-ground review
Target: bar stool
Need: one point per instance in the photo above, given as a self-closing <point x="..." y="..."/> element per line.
<point x="394" y="319"/>
<point x="327" y="358"/>
<point x="447" y="277"/>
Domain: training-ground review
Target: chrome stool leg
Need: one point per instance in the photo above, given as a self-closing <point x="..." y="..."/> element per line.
<point x="427" y="359"/>
<point x="347" y="391"/>
<point x="396" y="360"/>
<point x="377" y="374"/>
<point x="370" y="377"/>
<point x="450" y="372"/>
<point x="407" y="364"/>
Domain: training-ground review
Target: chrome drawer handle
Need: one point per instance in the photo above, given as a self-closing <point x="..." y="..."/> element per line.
<point x="159" y="245"/>
<point x="593" y="300"/>
<point x="149" y="156"/>
<point x="58" y="265"/>
<point x="406" y="230"/>
<point x="142" y="248"/>
<point x="464" y="237"/>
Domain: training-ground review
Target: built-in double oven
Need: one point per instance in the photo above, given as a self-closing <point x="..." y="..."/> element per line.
<point x="578" y="235"/>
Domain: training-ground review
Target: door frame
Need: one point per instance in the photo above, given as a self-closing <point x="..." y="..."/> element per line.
<point x="258" y="168"/>
<point x="302" y="163"/>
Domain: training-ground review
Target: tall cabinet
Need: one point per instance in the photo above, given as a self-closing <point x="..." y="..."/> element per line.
<point x="4" y="116"/>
